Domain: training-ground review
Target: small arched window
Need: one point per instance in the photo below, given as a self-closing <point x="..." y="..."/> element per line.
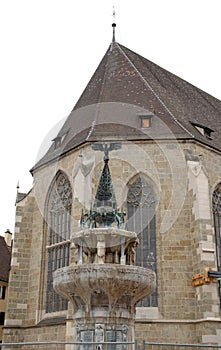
<point x="217" y="223"/>
<point x="141" y="206"/>
<point x="58" y="243"/>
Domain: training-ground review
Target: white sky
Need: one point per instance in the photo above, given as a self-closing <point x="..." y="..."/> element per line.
<point x="50" y="48"/>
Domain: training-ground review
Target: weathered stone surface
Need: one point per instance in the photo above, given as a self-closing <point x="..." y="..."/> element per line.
<point x="104" y="294"/>
<point x="183" y="310"/>
<point x="116" y="281"/>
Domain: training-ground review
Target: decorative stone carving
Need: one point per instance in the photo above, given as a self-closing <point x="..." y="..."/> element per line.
<point x="75" y="253"/>
<point x="217" y="200"/>
<point x="106" y="245"/>
<point x="140" y="194"/>
<point x="99" y="336"/>
<point x="86" y="168"/>
<point x="104" y="286"/>
<point x="118" y="282"/>
<point x="62" y="196"/>
<point x="198" y="183"/>
<point x="124" y="333"/>
<point x="101" y="252"/>
<point x="132" y="252"/>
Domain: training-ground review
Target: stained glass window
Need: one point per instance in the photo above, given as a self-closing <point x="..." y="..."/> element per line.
<point x="141" y="204"/>
<point x="59" y="220"/>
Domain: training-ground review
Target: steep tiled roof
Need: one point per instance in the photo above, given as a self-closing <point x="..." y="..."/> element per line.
<point x="5" y="259"/>
<point x="125" y="85"/>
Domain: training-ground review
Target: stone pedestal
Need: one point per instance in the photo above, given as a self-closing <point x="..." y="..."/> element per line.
<point x="104" y="286"/>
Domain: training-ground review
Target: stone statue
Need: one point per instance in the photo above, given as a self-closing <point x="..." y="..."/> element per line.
<point x="99" y="336"/>
<point x="101" y="252"/>
<point x="124" y="333"/>
<point x="132" y="252"/>
<point x="75" y="253"/>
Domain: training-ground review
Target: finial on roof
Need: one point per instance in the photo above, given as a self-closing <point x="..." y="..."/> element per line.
<point x="113" y="25"/>
<point x="17" y="187"/>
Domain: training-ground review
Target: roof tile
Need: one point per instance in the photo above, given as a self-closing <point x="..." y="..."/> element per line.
<point x="5" y="260"/>
<point x="124" y="78"/>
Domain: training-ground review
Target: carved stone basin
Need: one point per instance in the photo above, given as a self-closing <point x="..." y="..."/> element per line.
<point x="108" y="285"/>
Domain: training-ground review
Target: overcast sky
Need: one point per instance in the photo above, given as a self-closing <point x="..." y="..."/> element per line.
<point x="50" y="49"/>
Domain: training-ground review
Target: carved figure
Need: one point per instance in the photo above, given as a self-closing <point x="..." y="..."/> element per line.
<point x="124" y="333"/>
<point x="102" y="217"/>
<point x="88" y="219"/>
<point x="132" y="253"/>
<point x="75" y="253"/>
<point x="119" y="218"/>
<point x="151" y="260"/>
<point x="99" y="336"/>
<point x="101" y="252"/>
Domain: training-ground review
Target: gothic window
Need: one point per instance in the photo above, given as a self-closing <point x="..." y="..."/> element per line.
<point x="59" y="219"/>
<point x="217" y="223"/>
<point x="141" y="204"/>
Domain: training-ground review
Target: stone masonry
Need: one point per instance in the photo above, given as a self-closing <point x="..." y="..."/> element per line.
<point x="185" y="244"/>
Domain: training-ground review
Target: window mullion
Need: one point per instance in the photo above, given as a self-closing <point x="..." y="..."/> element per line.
<point x="58" y="244"/>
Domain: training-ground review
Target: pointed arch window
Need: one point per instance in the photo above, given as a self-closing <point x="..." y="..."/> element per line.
<point x="141" y="205"/>
<point x="217" y="223"/>
<point x="58" y="247"/>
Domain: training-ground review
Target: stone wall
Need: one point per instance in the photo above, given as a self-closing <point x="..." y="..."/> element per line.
<point x="185" y="239"/>
<point x="168" y="332"/>
<point x="19" y="279"/>
<point x="41" y="333"/>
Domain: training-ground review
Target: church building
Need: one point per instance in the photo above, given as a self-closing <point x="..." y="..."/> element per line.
<point x="166" y="173"/>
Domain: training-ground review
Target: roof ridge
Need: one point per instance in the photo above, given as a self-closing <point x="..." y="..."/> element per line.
<point x="152" y="90"/>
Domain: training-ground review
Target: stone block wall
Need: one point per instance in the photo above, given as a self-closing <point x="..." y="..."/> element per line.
<point x="167" y="332"/>
<point x="185" y="240"/>
<point x="18" y="293"/>
<point x="41" y="333"/>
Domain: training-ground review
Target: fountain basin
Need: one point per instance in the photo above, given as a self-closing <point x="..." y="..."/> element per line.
<point x="116" y="285"/>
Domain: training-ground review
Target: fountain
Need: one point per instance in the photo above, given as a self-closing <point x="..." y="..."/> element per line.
<point x="102" y="282"/>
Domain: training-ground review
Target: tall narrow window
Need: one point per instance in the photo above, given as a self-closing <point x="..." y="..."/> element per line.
<point x="217" y="223"/>
<point x="216" y="201"/>
<point x="59" y="219"/>
<point x="141" y="203"/>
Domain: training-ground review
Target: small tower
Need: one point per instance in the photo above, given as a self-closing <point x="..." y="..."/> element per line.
<point x="102" y="282"/>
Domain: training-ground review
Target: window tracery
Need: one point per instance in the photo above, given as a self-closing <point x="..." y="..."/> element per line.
<point x="216" y="204"/>
<point x="141" y="204"/>
<point x="59" y="219"/>
<point x="140" y="194"/>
